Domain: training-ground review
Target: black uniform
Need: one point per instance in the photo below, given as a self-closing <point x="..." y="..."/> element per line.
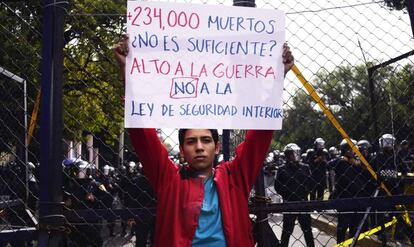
<point x="387" y="165"/>
<point x="293" y="183"/>
<point x="12" y="187"/>
<point x="318" y="161"/>
<point x="84" y="194"/>
<point x="331" y="174"/>
<point x="351" y="180"/>
<point x="108" y="198"/>
<point x="407" y="157"/>
<point x="138" y="193"/>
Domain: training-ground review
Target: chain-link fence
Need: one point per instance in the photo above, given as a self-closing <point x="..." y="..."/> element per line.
<point x="358" y="57"/>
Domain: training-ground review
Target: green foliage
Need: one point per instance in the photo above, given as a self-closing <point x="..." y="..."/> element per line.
<point x="20" y="49"/>
<point x="401" y="91"/>
<point x="396" y="4"/>
<point x="346" y="92"/>
<point x="93" y="89"/>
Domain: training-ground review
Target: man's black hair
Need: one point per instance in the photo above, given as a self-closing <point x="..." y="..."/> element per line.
<point x="181" y="135"/>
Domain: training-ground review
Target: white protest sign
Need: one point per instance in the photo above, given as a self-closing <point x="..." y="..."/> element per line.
<point x="203" y="66"/>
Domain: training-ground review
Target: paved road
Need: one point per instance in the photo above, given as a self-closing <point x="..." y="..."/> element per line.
<point x="296" y="240"/>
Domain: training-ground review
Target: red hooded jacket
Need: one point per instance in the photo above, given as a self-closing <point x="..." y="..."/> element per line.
<point x="180" y="195"/>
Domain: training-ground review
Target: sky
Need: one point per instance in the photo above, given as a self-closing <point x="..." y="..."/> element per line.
<point x="325" y="34"/>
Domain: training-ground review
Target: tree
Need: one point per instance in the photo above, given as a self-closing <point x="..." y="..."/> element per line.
<point x="400" y="91"/>
<point x="407" y="5"/>
<point x="396" y="4"/>
<point x="20" y="36"/>
<point x="301" y="121"/>
<point x="92" y="90"/>
<point x="346" y="92"/>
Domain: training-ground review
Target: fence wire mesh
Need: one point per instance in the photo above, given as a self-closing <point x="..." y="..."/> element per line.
<point x="358" y="55"/>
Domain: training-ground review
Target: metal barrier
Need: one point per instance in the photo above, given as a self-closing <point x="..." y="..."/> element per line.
<point x="352" y="80"/>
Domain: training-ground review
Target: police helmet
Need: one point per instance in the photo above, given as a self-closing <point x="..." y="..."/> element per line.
<point x="122" y="169"/>
<point x="83" y="167"/>
<point x="386" y="141"/>
<point x="319" y="143"/>
<point x="106" y="170"/>
<point x="140" y="167"/>
<point x="30" y="165"/>
<point x="276" y="155"/>
<point x="220" y="158"/>
<point x="404" y="142"/>
<point x="70" y="161"/>
<point x="269" y="157"/>
<point x="333" y="150"/>
<point x="344" y="146"/>
<point x="364" y="145"/>
<point x="132" y="166"/>
<point x="303" y="157"/>
<point x="292" y="148"/>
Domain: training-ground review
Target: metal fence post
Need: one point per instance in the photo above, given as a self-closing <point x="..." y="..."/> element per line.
<point x="51" y="125"/>
<point x="244" y="3"/>
<point x="374" y="116"/>
<point x="23" y="158"/>
<point x="373" y="97"/>
<point x="226" y="145"/>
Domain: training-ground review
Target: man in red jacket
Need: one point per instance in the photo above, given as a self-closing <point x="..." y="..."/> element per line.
<point x="199" y="205"/>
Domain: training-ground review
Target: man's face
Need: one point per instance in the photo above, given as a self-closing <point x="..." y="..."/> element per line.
<point x="293" y="156"/>
<point x="349" y="154"/>
<point x="319" y="146"/>
<point x="364" y="151"/>
<point x="199" y="149"/>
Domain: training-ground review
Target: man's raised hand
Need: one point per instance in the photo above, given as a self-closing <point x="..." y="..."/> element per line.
<point x="121" y="51"/>
<point x="288" y="59"/>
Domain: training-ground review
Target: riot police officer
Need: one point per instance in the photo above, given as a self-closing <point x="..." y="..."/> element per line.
<point x="138" y="193"/>
<point x="293" y="183"/>
<point x="82" y="191"/>
<point x="333" y="153"/>
<point x="108" y="180"/>
<point x="406" y="155"/>
<point x="364" y="147"/>
<point x="318" y="160"/>
<point x="333" y="159"/>
<point x="350" y="181"/>
<point x="387" y="164"/>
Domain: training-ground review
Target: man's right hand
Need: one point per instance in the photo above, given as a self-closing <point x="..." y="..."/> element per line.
<point x="288" y="59"/>
<point x="121" y="51"/>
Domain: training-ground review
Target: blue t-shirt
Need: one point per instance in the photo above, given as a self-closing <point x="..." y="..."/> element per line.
<point x="210" y="230"/>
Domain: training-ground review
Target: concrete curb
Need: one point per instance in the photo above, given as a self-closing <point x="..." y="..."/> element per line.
<point x="327" y="224"/>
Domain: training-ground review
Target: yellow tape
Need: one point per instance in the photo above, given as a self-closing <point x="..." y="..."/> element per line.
<point x="338" y="126"/>
<point x="367" y="233"/>
<point x="335" y="122"/>
<point x="33" y="119"/>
